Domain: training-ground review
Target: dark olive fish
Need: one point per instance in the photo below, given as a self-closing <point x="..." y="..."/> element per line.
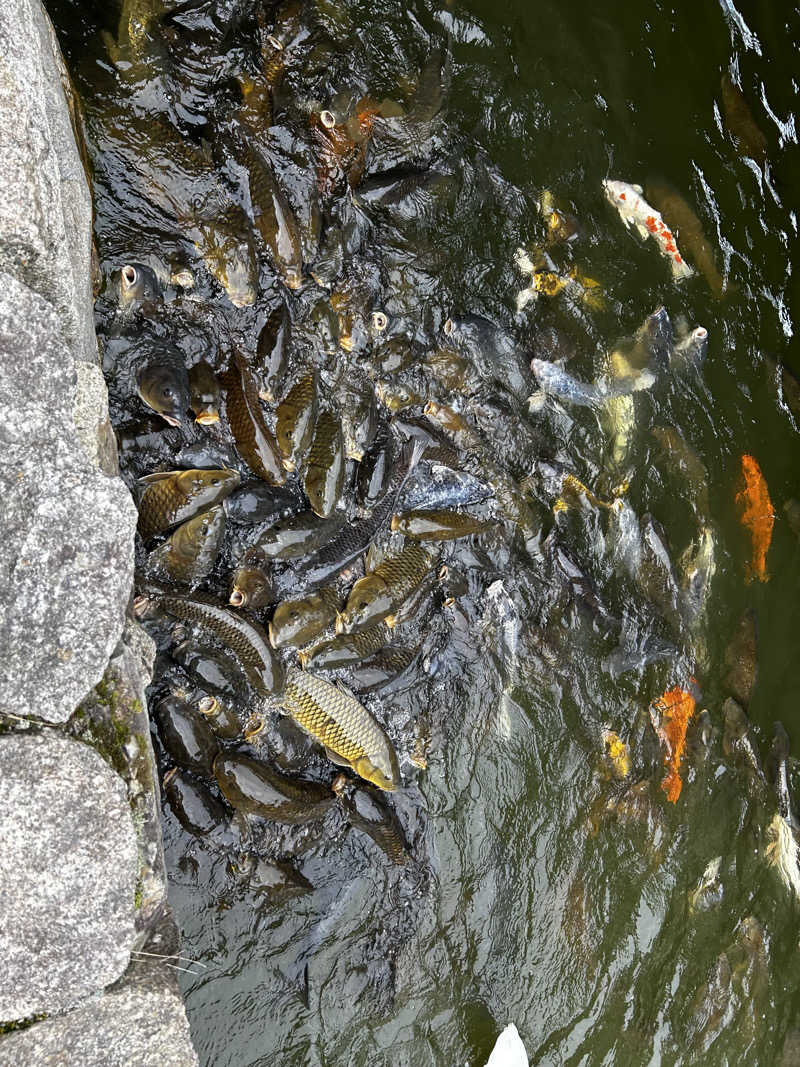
<point x="778" y="773"/>
<point x="191" y="551"/>
<point x="296" y="622"/>
<point x="438" y="525"/>
<point x="258" y="502"/>
<point x="333" y="716"/>
<point x="385" y="666"/>
<point x="218" y="674"/>
<point x="280" y="881"/>
<point x="251" y="586"/>
<point x="355" y="538"/>
<point x="437" y="445"/>
<point x="346" y="649"/>
<point x="186" y="735"/>
<point x="204" y="393"/>
<point x="688" y="229"/>
<point x="198" y="810"/>
<point x="253" y="437"/>
<point x="492" y="352"/>
<point x="788" y="382"/>
<point x="245" y="639"/>
<point x="368" y="812"/>
<point x="375" y="468"/>
<point x="254" y="788"/>
<point x="139" y="288"/>
<point x="162" y="383"/>
<point x="170" y="497"/>
<point x="208" y="453"/>
<point x="295" y="418"/>
<point x="221" y="717"/>
<point x="228" y="252"/>
<point x="741" y="660"/>
<point x="272" y="352"/>
<point x="324" y="475"/>
<point x="791" y="510"/>
<point x="740" y="124"/>
<point x="376" y="596"/>
<point x="274" y="219"/>
<point x="359" y="415"/>
<point x="738" y="743"/>
<point x="299" y="535"/>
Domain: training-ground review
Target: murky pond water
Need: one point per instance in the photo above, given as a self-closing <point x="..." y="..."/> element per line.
<point x="548" y="884"/>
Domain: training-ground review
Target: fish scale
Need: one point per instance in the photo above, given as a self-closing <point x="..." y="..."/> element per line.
<point x="295" y="420"/>
<point x="324" y="475"/>
<point x="384" y="590"/>
<point x="345" y="649"/>
<point x="175" y="496"/>
<point x="333" y="716"/>
<point x="250" y="431"/>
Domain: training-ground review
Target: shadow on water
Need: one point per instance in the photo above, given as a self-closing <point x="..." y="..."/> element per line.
<point x="543" y="889"/>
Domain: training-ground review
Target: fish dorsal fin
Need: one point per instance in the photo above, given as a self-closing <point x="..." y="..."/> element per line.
<point x="159" y="476"/>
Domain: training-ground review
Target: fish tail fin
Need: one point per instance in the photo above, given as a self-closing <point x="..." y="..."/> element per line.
<point x="680" y="269"/>
<point x="782" y="853"/>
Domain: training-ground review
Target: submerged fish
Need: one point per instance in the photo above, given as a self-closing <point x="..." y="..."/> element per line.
<point x="375" y="469"/>
<point x="171" y="497"/>
<point x="670" y="715"/>
<point x="280" y="881"/>
<point x="299" y="535"/>
<point x="683" y="220"/>
<point x="436" y="486"/>
<point x="741" y="659"/>
<point x="333" y="716"/>
<point x="162" y="383"/>
<point x="294" y="420"/>
<point x="296" y="622"/>
<point x="228" y="252"/>
<point x="636" y="213"/>
<point x="254" y="788"/>
<point x="186" y="735"/>
<point x="198" y="811"/>
<point x="189" y="554"/>
<point x="756" y="515"/>
<point x="740" y="124"/>
<point x="738" y="744"/>
<point x="368" y="812"/>
<point x="690" y="352"/>
<point x="272" y="352"/>
<point x="204" y="393"/>
<point x="324" y="475"/>
<point x="380" y="593"/>
<point x="253" y="437"/>
<point x="556" y="381"/>
<point x="681" y="456"/>
<point x="222" y="680"/>
<point x="346" y="649"/>
<point x="261" y="503"/>
<point x="274" y="218"/>
<point x="438" y="525"/>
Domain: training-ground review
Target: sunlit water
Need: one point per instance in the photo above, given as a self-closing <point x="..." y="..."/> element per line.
<point x="542" y="893"/>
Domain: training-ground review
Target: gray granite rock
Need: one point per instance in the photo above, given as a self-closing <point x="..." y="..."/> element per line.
<point x="92" y="421"/>
<point x="68" y="870"/>
<point x="67" y="531"/>
<point x="46" y="208"/>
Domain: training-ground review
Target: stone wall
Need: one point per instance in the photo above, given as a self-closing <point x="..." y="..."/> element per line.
<point x="85" y="923"/>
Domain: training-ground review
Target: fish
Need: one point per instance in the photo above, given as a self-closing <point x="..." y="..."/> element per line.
<point x="741" y="659"/>
<point x="680" y="217"/>
<point x="369" y="813"/>
<point x="782" y="851"/>
<point x="636" y="213"/>
<point x="655" y="575"/>
<point x="739" y="746"/>
<point x="272" y="352"/>
<point x="388" y="664"/>
<point x="226" y="247"/>
<point x="375" y="468"/>
<point x="682" y="457"/>
<point x="557" y="382"/>
<point x="670" y="715"/>
<point x="299" y="535"/>
<point x="186" y="735"/>
<point x="139" y="288"/>
<point x="274" y="219"/>
<point x="690" y="352"/>
<point x="561" y="226"/>
<point x="698" y="566"/>
<point x="219" y="675"/>
<point x="492" y="351"/>
<point x="353" y="539"/>
<point x="198" y="811"/>
<point x="355" y="398"/>
<point x="740" y="123"/>
<point x="280" y="881"/>
<point x="204" y="393"/>
<point x="222" y="718"/>
<point x="324" y="474"/>
<point x="251" y="587"/>
<point x="172" y="497"/>
<point x="162" y="383"/>
<point x="380" y="593"/>
<point x="756" y="515"/>
<point x="261" y="503"/>
<point x="438" y="525"/>
<point x="346" y="649"/>
<point x="296" y="622"/>
<point x="791" y="510"/>
<point x="191" y="551"/>
<point x="254" y="439"/>
<point x="435" y="486"/>
<point x="294" y="420"/>
<point x="252" y="787"/>
<point x="138" y="44"/>
<point x="244" y="638"/>
<point x="708" y="891"/>
<point x="618" y="754"/>
<point x="333" y="717"/>
<point x="787" y="381"/>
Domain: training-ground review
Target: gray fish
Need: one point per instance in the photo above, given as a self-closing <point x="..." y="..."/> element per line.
<point x="557" y="382"/>
<point x="163" y="384"/>
<point x="741" y="659"/>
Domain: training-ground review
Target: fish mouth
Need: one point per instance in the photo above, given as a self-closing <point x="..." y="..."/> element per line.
<point x="341" y="622"/>
<point x="237" y="599"/>
<point x="242" y="300"/>
<point x="140" y="606"/>
<point x="171" y="419"/>
<point x="328" y="119"/>
<point x="206" y="418"/>
<point x="129" y="275"/>
<point x="208" y="705"/>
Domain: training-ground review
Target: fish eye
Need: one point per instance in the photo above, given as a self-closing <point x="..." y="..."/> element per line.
<point x="215" y="481"/>
<point x="129" y="276"/>
<point x="168" y="392"/>
<point x="294" y="615"/>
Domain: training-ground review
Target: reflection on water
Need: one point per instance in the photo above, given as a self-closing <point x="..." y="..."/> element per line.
<point x="552" y="882"/>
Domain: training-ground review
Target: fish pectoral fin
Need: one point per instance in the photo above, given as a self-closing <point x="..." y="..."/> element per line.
<point x="638" y="189"/>
<point x="334" y="757"/>
<point x="641" y="229"/>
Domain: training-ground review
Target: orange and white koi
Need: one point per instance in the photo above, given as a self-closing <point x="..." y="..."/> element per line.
<point x="637" y="213"/>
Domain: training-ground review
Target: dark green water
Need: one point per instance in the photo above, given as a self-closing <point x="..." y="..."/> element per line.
<point x="533" y="902"/>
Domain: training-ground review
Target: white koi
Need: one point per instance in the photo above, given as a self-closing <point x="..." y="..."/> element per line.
<point x="635" y="212"/>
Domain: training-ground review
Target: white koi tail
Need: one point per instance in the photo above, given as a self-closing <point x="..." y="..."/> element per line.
<point x="680" y="269"/>
<point x="782" y="853"/>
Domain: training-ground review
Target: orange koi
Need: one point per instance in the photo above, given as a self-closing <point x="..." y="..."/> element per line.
<point x="670" y="716"/>
<point x="757" y="514"/>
